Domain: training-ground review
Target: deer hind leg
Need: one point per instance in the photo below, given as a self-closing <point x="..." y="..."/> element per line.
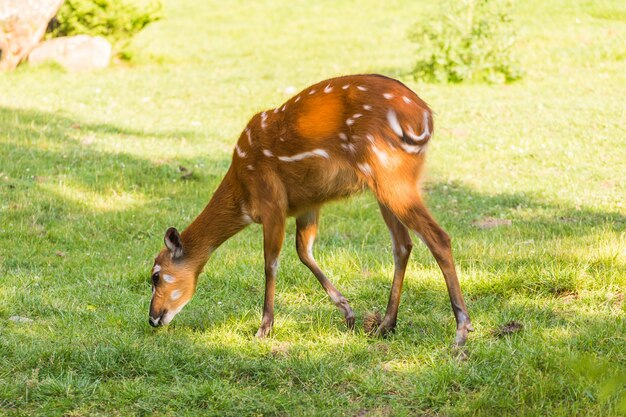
<point x="402" y="245"/>
<point x="410" y="209"/>
<point x="273" y="236"/>
<point x="306" y="230"/>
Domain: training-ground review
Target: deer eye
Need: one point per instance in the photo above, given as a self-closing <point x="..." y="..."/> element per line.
<point x="155" y="278"/>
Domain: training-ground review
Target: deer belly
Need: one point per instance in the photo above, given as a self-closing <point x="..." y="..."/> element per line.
<point x="318" y="184"/>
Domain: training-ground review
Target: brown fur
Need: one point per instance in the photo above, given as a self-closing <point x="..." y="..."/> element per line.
<point x="363" y="131"/>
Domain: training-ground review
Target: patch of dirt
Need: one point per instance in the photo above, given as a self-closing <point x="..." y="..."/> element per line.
<point x="568" y="296"/>
<point x="371" y="322"/>
<point x="507" y="329"/>
<point x="491" y="223"/>
<point x="18" y="319"/>
<point x="187" y="174"/>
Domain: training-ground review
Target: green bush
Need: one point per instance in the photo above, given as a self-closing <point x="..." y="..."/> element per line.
<point x="116" y="20"/>
<point x="471" y="42"/>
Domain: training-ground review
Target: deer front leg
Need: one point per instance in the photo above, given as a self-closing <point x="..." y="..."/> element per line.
<point x="273" y="235"/>
<point x="402" y="245"/>
<point x="306" y="230"/>
<point x="417" y="217"/>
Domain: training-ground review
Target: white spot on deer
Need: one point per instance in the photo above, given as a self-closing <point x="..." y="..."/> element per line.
<point x="407" y="100"/>
<point x="249" y="136"/>
<point x="388" y="96"/>
<point x="343" y="136"/>
<point x="284" y="107"/>
<point x="312" y="92"/>
<point x="425" y="134"/>
<point x="393" y="122"/>
<point x="241" y="153"/>
<point x="281" y="139"/>
<point x="263" y="118"/>
<point x="350" y="122"/>
<point x="367" y="107"/>
<point x="297" y="99"/>
<point x="250" y="168"/>
<point x="345" y="87"/>
<point x="168" y="278"/>
<point x="176" y="295"/>
<point x="299" y="156"/>
<point x="381" y="154"/>
<point x="276" y="110"/>
<point x="267" y="153"/>
<point x="361" y="87"/>
<point x="365" y="168"/>
<point x="245" y="218"/>
<point x="328" y="89"/>
<point x="355" y="137"/>
<point x="356" y="116"/>
<point x="411" y="148"/>
<point x="370" y="137"/>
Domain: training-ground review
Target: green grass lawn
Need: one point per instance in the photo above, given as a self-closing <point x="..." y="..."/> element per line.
<point x="90" y="180"/>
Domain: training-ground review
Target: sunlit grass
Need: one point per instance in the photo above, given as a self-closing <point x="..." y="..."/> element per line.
<point x="101" y="202"/>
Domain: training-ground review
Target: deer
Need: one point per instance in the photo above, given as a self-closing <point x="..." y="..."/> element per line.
<point x="335" y="138"/>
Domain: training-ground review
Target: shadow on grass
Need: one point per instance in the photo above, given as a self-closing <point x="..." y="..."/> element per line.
<point x="33" y="123"/>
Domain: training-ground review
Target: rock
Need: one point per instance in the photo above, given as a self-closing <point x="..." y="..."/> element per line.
<point x="22" y="25"/>
<point x="74" y="53"/>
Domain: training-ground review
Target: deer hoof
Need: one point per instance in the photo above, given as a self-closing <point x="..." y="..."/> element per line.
<point x="461" y="335"/>
<point x="385" y="329"/>
<point x="264" y="330"/>
<point x="350" y="322"/>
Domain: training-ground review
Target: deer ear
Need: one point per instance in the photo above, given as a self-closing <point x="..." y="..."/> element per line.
<point x="173" y="242"/>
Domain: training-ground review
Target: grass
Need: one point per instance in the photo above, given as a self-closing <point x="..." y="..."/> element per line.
<point x="89" y="182"/>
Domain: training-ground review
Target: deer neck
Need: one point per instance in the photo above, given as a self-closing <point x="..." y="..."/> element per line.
<point x="222" y="218"/>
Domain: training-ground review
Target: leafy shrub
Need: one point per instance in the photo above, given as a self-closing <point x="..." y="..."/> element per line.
<point x="116" y="20"/>
<point x="471" y="42"/>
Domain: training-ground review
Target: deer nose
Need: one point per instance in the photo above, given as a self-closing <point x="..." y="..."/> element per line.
<point x="155" y="322"/>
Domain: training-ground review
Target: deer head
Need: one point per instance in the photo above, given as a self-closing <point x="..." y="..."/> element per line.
<point x="174" y="280"/>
